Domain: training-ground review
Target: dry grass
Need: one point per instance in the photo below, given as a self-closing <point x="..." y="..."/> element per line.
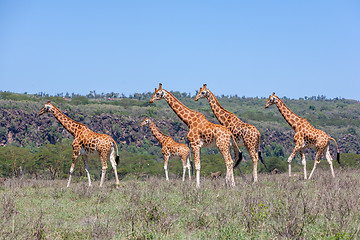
<point x="275" y="208"/>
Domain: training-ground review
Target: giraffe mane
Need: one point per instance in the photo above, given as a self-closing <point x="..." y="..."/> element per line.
<point x="67" y="116"/>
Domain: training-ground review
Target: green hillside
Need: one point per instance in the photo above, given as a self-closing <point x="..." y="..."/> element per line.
<point x="42" y="147"/>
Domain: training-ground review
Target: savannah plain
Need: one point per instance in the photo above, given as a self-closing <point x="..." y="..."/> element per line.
<point x="35" y="203"/>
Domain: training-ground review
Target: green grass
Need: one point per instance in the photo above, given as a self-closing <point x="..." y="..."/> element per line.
<point x="277" y="207"/>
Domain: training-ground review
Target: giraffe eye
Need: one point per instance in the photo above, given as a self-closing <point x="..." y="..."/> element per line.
<point x="203" y="92"/>
<point x="157" y="94"/>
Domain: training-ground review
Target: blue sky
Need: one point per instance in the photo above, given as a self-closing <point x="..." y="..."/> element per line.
<point x="248" y="48"/>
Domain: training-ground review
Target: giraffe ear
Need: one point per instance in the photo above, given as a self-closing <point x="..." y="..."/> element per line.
<point x="48" y="102"/>
<point x="160" y="86"/>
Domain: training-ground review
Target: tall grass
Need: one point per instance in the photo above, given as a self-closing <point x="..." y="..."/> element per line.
<point x="274" y="208"/>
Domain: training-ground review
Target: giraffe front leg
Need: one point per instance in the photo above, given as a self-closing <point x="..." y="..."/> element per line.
<point x="188" y="165"/>
<point x="166" y="159"/>
<point x="87" y="169"/>
<point x="292" y="155"/>
<point x="303" y="162"/>
<point x="196" y="151"/>
<point x="74" y="159"/>
<point x="184" y="163"/>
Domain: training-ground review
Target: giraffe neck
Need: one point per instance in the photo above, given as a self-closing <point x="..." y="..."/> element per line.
<point x="70" y="125"/>
<point x="288" y="115"/>
<point x="217" y="109"/>
<point x="183" y="112"/>
<point x="157" y="133"/>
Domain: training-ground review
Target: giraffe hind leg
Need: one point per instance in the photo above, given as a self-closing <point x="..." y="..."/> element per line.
<point x="329" y="159"/>
<point x="316" y="162"/>
<point x="303" y="161"/>
<point x="114" y="162"/>
<point x="225" y="151"/>
<point x="254" y="158"/>
<point x="103" y="158"/>
<point x="87" y="169"/>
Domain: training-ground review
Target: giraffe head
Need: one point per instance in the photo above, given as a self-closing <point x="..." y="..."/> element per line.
<point x="159" y="94"/>
<point x="203" y="93"/>
<point x="146" y="121"/>
<point x="271" y="101"/>
<point x="47" y="108"/>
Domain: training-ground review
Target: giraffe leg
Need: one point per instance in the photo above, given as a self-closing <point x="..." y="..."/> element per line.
<point x="225" y="151"/>
<point x="103" y="173"/>
<point x="183" y="159"/>
<point x="316" y="162"/>
<point x="113" y="165"/>
<point x="254" y="157"/>
<point x="196" y="151"/>
<point x="237" y="156"/>
<point x="329" y="159"/>
<point x="188" y="165"/>
<point x="292" y="155"/>
<point x="103" y="158"/>
<point x="166" y="159"/>
<point x="303" y="162"/>
<point x="87" y="169"/>
<point x="74" y="159"/>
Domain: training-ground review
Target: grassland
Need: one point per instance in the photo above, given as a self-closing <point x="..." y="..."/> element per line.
<point x="277" y="207"/>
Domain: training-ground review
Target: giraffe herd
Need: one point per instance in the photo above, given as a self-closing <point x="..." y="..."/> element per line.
<point x="230" y="133"/>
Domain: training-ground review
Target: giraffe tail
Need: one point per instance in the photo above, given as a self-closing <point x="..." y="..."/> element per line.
<point x="259" y="153"/>
<point x="117" y="158"/>
<point x="337" y="151"/>
<point x="238" y="160"/>
<point x="240" y="153"/>
<point x="261" y="159"/>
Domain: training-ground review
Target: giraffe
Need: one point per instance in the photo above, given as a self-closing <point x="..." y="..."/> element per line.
<point x="202" y="133"/>
<point x="245" y="134"/>
<point x="170" y="148"/>
<point x="86" y="143"/>
<point x="306" y="136"/>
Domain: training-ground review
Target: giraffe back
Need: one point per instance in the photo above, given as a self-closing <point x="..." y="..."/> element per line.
<point x="175" y="149"/>
<point x="92" y="143"/>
